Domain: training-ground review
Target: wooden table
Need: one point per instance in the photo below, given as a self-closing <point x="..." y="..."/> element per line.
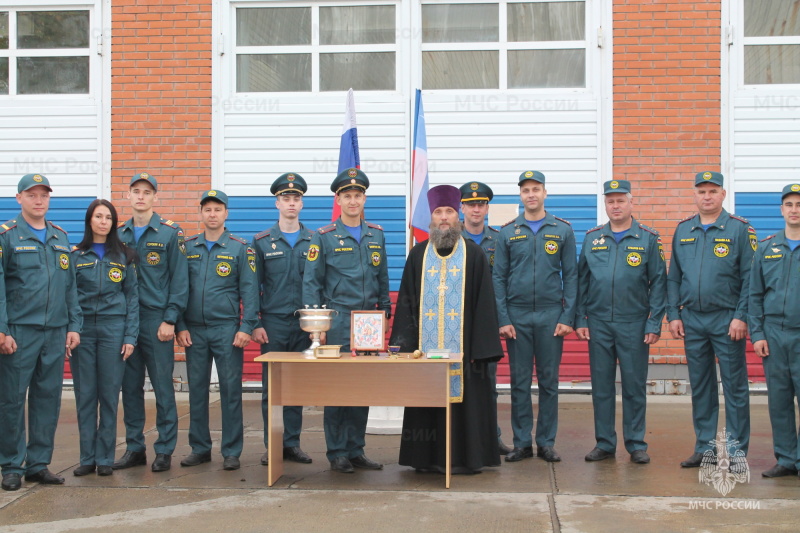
<point x="295" y="379"/>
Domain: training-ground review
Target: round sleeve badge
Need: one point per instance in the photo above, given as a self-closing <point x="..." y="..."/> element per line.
<point x="153" y="258"/>
<point x="721" y="249"/>
<point x="551" y="247"/>
<point x="634" y="259"/>
<point x="376" y="258"/>
<point x="115" y="275"/>
<point x="313" y="252"/>
<point x="63" y="261"/>
<point x="753" y="242"/>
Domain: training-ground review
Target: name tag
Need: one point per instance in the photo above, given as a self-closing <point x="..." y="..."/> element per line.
<point x="22" y="249"/>
<point x="722" y="240"/>
<point x="196" y="256"/>
<point x="60" y="248"/>
<point x="228" y="257"/>
<point x="636" y="248"/>
<point x="688" y="241"/>
<point x="552" y="236"/>
<point x="154" y="244"/>
<point x="341" y="250"/>
<point x="773" y="257"/>
<point x="273" y="255"/>
<point x="596" y="248"/>
<point x="84" y="265"/>
<point x="518" y="237"/>
<point x="375" y="247"/>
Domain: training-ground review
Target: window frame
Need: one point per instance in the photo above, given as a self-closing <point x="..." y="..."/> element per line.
<point x="503" y="46"/>
<point x="13" y="53"/>
<point x="314" y="48"/>
<point x="738" y="41"/>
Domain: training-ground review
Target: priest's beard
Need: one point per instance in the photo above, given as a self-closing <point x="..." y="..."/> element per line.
<point x="444" y="239"/>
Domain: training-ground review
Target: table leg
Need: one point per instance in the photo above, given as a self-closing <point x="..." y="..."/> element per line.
<point x="275" y="419"/>
<point x="448" y="443"/>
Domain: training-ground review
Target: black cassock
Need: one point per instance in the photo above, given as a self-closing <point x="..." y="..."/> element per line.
<point x="474" y="421"/>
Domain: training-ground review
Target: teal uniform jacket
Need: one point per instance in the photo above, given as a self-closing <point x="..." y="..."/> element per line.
<point x="774" y="287"/>
<point x="488" y="242"/>
<point x="710" y="270"/>
<point x="536" y="271"/>
<point x="220" y="279"/>
<point x="163" y="271"/>
<point x="625" y="281"/>
<point x="280" y="270"/>
<point x="108" y="289"/>
<point x="37" y="280"/>
<point x="342" y="273"/>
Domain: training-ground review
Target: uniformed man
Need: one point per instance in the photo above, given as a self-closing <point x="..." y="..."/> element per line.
<point x="622" y="297"/>
<point x="222" y="274"/>
<point x="39" y="317"/>
<point x="475" y="198"/>
<point x="536" y="283"/>
<point x="347" y="271"/>
<point x="281" y="253"/>
<point x="707" y="286"/>
<point x="774" y="312"/>
<point x="163" y="292"/>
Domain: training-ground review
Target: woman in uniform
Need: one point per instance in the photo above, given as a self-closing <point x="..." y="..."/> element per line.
<point x="109" y="298"/>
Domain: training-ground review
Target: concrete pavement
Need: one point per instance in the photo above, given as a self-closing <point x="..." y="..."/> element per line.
<point x="571" y="496"/>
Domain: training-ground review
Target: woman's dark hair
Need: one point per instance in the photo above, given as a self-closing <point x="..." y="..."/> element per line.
<point x="114" y="247"/>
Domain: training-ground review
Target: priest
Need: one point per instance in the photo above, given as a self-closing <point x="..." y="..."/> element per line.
<point x="446" y="301"/>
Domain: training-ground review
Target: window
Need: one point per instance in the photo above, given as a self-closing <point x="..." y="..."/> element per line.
<point x="771" y="42"/>
<point x="505" y="45"/>
<point x="316" y="48"/>
<point x="44" y="52"/>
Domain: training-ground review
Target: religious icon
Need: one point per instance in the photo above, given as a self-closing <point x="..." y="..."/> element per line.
<point x="368" y="331"/>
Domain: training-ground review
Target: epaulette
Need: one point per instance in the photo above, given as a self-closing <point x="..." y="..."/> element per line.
<point x="509" y="222"/>
<point x="75" y="248"/>
<point x="594" y="229"/>
<point x="562" y="220"/>
<point x="169" y="223"/>
<point x="740" y="219"/>
<point x="687" y="219"/>
<point x="237" y="239"/>
<point x="58" y="227"/>
<point x="193" y="237"/>
<point x="648" y="230"/>
<point x="325" y="229"/>
<point x="373" y="226"/>
<point x="494" y="230"/>
<point x="120" y="224"/>
<point x="765" y="239"/>
<point x="11" y="224"/>
<point x="261" y="235"/>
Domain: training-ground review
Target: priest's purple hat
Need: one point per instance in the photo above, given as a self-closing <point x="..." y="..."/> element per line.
<point x="444" y="196"/>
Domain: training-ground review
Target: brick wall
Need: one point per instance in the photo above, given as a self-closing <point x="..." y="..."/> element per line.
<point x="161" y="102"/>
<point x="666" y="112"/>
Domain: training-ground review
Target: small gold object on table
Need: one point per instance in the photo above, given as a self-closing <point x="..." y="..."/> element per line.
<point x="328" y="351"/>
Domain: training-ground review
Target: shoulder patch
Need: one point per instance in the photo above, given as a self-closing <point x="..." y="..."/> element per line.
<point x="237" y="239"/>
<point x="261" y="235"/>
<point x="649" y="230"/>
<point x="493" y="229"/>
<point x="120" y="224"/>
<point x="687" y="219"/>
<point x="7" y="226"/>
<point x="594" y="229"/>
<point x="58" y="228"/>
<point x="509" y="222"/>
<point x="765" y="239"/>
<point x="170" y="223"/>
<point x="193" y="237"/>
<point x="562" y="220"/>
<point x="325" y="229"/>
<point x="373" y="226"/>
<point x="740" y="219"/>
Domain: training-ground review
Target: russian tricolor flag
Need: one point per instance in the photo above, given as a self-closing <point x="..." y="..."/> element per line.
<point x="420" y="212"/>
<point x="348" y="148"/>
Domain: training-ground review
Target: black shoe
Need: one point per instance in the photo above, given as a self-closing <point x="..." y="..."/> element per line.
<point x="548" y="453"/>
<point x="779" y="471"/>
<point x="504" y="450"/>
<point x="12" y="481"/>
<point x="45" y="477"/>
<point x="640" y="457"/>
<point x="695" y="460"/>
<point x="265" y="459"/>
<point x="518" y="454"/>
<point x="230" y="463"/>
<point x="598" y="454"/>
<point x="342" y="464"/>
<point x="162" y="463"/>
<point x="194" y="459"/>
<point x="362" y="461"/>
<point x="104" y="470"/>
<point x="129" y="459"/>
<point x="294" y="453"/>
<point x="83" y="470"/>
